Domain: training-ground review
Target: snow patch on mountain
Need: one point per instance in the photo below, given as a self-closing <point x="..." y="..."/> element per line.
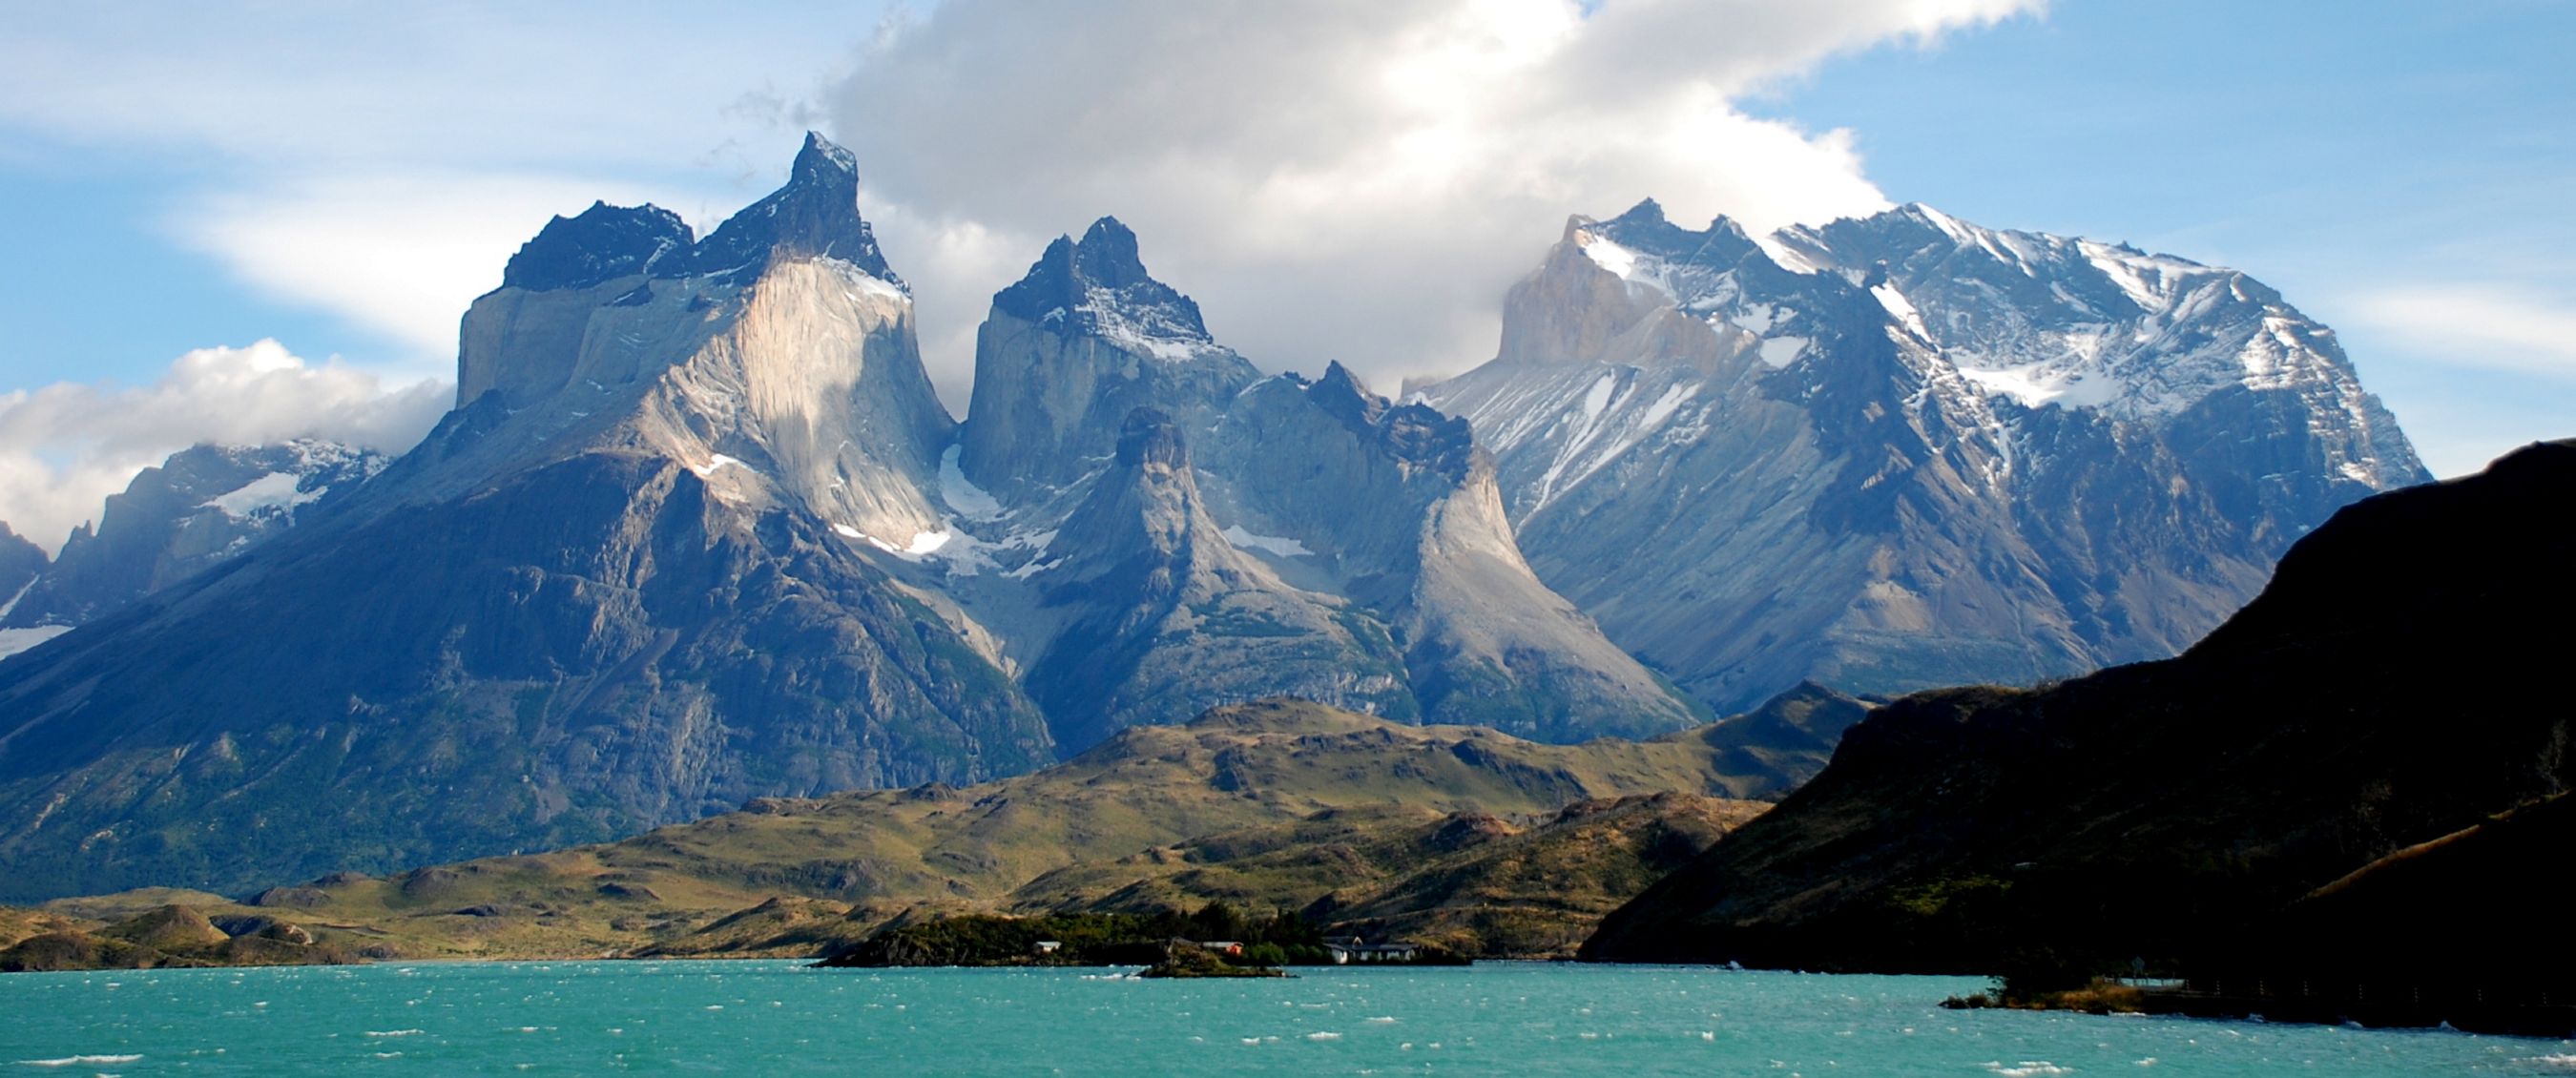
<point x="271" y="493"/>
<point x="1902" y="308"/>
<point x="2035" y="385"/>
<point x="970" y="501"/>
<point x="720" y="462"/>
<point x="13" y="641"/>
<point x="1273" y="544"/>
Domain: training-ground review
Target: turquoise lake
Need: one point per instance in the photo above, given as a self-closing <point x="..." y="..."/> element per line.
<point x="781" y="1018"/>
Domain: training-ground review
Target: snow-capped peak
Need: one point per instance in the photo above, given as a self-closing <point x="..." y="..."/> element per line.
<point x="1099" y="286"/>
<point x="2028" y="317"/>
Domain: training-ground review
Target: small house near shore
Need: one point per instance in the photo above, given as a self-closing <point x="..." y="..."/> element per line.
<point x="1348" y="950"/>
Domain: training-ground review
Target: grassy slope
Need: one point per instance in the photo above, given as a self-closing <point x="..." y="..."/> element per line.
<point x="1474" y="883"/>
<point x="886" y="852"/>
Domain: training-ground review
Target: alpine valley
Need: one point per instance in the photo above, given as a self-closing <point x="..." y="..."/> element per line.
<point x="698" y="532"/>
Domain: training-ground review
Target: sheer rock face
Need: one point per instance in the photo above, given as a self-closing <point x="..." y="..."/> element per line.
<point x="1085" y="338"/>
<point x="1168" y="617"/>
<point x="1401" y="511"/>
<point x="1906" y="451"/>
<point x="203" y="506"/>
<point x="626" y="582"/>
<point x="21" y="562"/>
<point x="1198" y="534"/>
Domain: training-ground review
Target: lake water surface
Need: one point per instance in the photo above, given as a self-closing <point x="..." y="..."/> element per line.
<point x="781" y="1018"/>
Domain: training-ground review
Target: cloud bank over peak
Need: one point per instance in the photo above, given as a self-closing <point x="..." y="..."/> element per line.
<point x="66" y="447"/>
<point x="1339" y="180"/>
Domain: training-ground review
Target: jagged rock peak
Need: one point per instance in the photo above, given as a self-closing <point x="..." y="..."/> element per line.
<point x="1099" y="286"/>
<point x="1107" y="255"/>
<point x="1342" y="395"/>
<point x="1646" y="213"/>
<point x="1414" y="433"/>
<point x="598" y="245"/>
<point x="1644" y="226"/>
<point x="823" y="161"/>
<point x="816" y="213"/>
<point x="1148" y="437"/>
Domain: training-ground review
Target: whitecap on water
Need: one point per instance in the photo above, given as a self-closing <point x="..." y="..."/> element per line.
<point x="78" y="1061"/>
<point x="1323" y="1036"/>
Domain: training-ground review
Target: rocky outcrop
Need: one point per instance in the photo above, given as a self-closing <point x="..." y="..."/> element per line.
<point x="21" y="562"/>
<point x="1906" y="451"/>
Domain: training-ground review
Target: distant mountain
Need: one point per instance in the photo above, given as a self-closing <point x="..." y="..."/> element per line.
<point x="2393" y="685"/>
<point x="1905" y="451"/>
<point x="204" y="505"/>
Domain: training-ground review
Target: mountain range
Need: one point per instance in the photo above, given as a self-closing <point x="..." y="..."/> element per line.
<point x="699" y="531"/>
<point x="1905" y="451"/>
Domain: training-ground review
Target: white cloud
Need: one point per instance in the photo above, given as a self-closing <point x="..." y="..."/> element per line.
<point x="1339" y="180"/>
<point x="400" y="253"/>
<point x="1354" y="179"/>
<point x="2495" y="327"/>
<point x="64" y="448"/>
<point x="380" y="162"/>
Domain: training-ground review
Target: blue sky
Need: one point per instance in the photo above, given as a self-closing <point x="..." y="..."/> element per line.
<point x="342" y="180"/>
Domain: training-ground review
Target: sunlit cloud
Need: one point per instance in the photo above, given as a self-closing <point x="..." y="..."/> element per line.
<point x="1350" y="181"/>
<point x="2495" y="327"/>
<point x="65" y="447"/>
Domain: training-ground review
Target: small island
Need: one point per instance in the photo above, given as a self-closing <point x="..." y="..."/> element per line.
<point x="1189" y="958"/>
